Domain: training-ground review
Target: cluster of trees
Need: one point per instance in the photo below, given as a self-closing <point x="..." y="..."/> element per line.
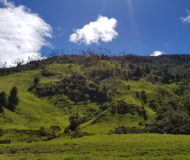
<point x="76" y="87"/>
<point x="122" y="107"/>
<point x="171" y="121"/>
<point x="73" y="128"/>
<point x="172" y="112"/>
<point x="10" y="102"/>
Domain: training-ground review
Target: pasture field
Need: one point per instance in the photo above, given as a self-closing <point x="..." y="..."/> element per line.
<point x="102" y="147"/>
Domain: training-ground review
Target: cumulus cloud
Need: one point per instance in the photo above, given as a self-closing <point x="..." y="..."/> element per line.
<point x="22" y="34"/>
<point x="157" y="53"/>
<point x="103" y="29"/>
<point x="186" y="19"/>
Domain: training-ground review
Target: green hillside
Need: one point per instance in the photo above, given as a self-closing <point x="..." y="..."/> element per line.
<point x="96" y="97"/>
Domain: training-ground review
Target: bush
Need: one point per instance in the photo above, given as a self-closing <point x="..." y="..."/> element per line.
<point x="127" y="130"/>
<point x="47" y="73"/>
<point x="55" y="130"/>
<point x="6" y="141"/>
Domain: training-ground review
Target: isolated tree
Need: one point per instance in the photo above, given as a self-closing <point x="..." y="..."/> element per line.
<point x="13" y="99"/>
<point x="36" y="81"/>
<point x="74" y="122"/>
<point x="3" y="99"/>
<point x="74" y="127"/>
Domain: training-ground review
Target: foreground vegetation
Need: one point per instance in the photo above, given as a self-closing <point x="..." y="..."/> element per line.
<point x="96" y="107"/>
<point x="103" y="147"/>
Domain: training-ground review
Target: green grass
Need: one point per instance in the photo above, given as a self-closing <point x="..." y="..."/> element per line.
<point x="32" y="111"/>
<point x="103" y="147"/>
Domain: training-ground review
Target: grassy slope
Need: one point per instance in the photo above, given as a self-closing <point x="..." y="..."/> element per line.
<point x="32" y="112"/>
<point x="103" y="147"/>
<point x="108" y="122"/>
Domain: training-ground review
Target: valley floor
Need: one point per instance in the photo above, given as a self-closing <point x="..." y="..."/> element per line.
<point x="102" y="147"/>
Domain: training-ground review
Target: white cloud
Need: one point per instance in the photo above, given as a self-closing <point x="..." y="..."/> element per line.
<point x="157" y="53"/>
<point x="186" y="19"/>
<point x="103" y="29"/>
<point x="22" y="34"/>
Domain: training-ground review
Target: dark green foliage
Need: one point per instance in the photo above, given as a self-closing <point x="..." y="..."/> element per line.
<point x="144" y="96"/>
<point x="42" y="132"/>
<point x="153" y="104"/>
<point x="127" y="130"/>
<point x="104" y="106"/>
<point x="1" y="109"/>
<point x="75" y="122"/>
<point x="13" y="99"/>
<point x="142" y="112"/>
<point x="46" y="73"/>
<point x="121" y="107"/>
<point x="167" y="99"/>
<point x="77" y="88"/>
<point x="1" y="132"/>
<point x="73" y="129"/>
<point x="128" y="87"/>
<point x="5" y="141"/>
<point x="36" y="81"/>
<point x="186" y="102"/>
<point x="137" y="94"/>
<point x="55" y="130"/>
<point x="171" y="122"/>
<point x="3" y="99"/>
<point x="163" y="69"/>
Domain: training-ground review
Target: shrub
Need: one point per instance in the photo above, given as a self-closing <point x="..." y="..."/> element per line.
<point x="55" y="130"/>
<point x="6" y="141"/>
<point x="73" y="129"/>
<point x="47" y="73"/>
<point x="127" y="130"/>
<point x="36" y="81"/>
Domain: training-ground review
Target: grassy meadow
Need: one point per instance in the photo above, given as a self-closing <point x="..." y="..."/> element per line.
<point x="103" y="147"/>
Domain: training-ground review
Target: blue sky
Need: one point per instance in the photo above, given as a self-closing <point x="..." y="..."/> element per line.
<point x="143" y="26"/>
